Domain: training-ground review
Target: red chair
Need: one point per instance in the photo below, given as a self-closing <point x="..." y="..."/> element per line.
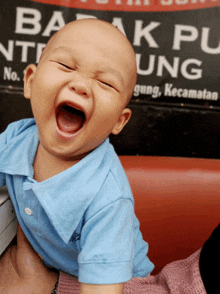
<point x="177" y="201"/>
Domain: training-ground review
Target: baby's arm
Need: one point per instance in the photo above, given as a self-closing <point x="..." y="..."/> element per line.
<point x="101" y="289"/>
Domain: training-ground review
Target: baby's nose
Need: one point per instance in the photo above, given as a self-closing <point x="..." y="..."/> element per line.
<point x="80" y="85"/>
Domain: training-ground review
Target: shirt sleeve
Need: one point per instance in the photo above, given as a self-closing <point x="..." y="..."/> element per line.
<point x="180" y="276"/>
<point x="107" y="245"/>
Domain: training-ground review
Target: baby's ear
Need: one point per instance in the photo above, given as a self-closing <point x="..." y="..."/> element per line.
<point x="28" y="79"/>
<point x="122" y="121"/>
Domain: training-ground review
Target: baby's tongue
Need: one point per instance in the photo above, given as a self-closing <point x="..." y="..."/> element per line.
<point x="69" y="122"/>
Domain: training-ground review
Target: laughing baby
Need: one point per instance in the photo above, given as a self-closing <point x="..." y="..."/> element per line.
<point x="69" y="190"/>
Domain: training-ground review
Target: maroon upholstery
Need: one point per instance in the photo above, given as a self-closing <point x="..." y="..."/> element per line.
<point x="177" y="201"/>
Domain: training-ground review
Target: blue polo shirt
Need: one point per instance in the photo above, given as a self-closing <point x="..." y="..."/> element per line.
<point x="81" y="220"/>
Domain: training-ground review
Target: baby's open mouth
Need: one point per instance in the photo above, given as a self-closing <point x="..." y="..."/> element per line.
<point x="69" y="119"/>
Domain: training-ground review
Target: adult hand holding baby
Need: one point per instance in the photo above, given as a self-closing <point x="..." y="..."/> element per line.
<point x="22" y="270"/>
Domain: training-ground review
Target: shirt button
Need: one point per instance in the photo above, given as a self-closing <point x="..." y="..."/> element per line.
<point x="28" y="211"/>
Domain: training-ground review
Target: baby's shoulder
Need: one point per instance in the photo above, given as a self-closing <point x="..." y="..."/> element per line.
<point x="119" y="178"/>
<point x="16" y="128"/>
<point x="115" y="187"/>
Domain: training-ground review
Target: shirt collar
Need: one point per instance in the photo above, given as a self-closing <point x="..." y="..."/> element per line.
<point x="66" y="196"/>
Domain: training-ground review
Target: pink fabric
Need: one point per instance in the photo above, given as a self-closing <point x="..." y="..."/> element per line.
<point x="67" y="284"/>
<point x="178" y="277"/>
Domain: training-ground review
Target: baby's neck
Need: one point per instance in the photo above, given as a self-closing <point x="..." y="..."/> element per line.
<point x="47" y="165"/>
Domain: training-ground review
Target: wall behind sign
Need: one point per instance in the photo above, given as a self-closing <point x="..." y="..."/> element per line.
<point x="177" y="44"/>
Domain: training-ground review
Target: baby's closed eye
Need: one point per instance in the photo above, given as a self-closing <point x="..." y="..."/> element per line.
<point x="65" y="65"/>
